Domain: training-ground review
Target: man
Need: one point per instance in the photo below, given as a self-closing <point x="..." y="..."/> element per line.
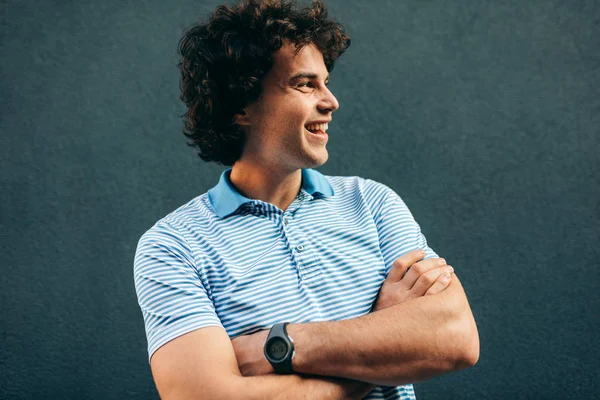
<point x="281" y="282"/>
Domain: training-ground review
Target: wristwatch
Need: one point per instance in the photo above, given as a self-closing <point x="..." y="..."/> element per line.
<point x="279" y="349"/>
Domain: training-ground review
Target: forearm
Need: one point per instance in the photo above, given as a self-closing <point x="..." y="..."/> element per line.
<point x="406" y="343"/>
<point x="298" y="387"/>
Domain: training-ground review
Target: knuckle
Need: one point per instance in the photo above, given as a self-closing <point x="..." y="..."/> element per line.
<point x="419" y="268"/>
<point x="398" y="263"/>
<point x="434" y="287"/>
<point x="428" y="279"/>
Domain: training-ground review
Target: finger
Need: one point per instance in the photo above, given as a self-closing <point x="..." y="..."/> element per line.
<point x="421" y="268"/>
<point x="440" y="285"/>
<point x="402" y="263"/>
<point x="427" y="280"/>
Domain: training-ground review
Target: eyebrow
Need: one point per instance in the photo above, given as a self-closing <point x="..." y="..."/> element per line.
<point x="308" y="75"/>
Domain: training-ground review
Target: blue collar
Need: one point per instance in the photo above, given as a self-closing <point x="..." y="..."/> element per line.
<point x="225" y="199"/>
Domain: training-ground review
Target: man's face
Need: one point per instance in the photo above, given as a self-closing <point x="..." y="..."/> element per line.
<point x="294" y="94"/>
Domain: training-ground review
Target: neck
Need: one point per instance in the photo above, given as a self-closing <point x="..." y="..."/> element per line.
<point x="271" y="185"/>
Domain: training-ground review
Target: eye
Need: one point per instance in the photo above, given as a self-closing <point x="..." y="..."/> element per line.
<point x="310" y="84"/>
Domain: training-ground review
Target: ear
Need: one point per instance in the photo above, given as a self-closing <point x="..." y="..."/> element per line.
<point x="241" y="118"/>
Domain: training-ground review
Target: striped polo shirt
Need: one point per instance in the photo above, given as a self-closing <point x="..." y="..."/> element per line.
<point x="244" y="264"/>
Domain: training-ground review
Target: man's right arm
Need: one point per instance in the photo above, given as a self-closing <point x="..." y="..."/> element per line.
<point x="202" y="365"/>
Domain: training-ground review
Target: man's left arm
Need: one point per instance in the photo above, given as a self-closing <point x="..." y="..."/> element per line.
<point x="437" y="335"/>
<point x="405" y="343"/>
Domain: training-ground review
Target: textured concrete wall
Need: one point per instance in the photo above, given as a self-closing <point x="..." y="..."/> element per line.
<point x="483" y="115"/>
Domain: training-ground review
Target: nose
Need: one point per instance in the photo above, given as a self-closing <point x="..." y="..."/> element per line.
<point x="328" y="103"/>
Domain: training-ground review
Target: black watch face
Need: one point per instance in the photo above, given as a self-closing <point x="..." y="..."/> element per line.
<point x="277" y="348"/>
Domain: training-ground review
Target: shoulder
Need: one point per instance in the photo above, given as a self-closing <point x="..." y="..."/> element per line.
<point x="371" y="191"/>
<point x="176" y="225"/>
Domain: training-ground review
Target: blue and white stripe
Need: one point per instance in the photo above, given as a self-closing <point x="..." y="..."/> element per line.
<point x="243" y="264"/>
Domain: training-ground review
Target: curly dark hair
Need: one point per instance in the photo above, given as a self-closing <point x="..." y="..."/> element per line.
<point x="224" y="61"/>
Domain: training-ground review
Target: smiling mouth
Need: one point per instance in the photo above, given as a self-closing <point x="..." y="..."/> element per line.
<point x="317" y="132"/>
<point x="317" y="129"/>
<point x="318" y="136"/>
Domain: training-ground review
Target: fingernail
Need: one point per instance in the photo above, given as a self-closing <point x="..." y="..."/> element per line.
<point x="446" y="276"/>
<point x="423" y="254"/>
<point x="450" y="268"/>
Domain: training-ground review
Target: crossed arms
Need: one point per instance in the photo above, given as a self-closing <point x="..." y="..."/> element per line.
<point x="421" y="326"/>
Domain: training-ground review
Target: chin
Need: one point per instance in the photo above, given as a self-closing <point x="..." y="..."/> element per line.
<point x="319" y="159"/>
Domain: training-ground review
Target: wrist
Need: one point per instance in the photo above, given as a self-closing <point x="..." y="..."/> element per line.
<point x="262" y="364"/>
<point x="250" y="356"/>
<point x="279" y="349"/>
<point x="297" y="333"/>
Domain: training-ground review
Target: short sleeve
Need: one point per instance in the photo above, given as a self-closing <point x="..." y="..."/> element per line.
<point x="398" y="231"/>
<point x="170" y="293"/>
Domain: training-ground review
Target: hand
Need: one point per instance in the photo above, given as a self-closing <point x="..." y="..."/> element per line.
<point x="424" y="278"/>
<point x="250" y="354"/>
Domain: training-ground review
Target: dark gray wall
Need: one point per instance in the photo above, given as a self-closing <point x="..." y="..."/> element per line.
<point x="483" y="115"/>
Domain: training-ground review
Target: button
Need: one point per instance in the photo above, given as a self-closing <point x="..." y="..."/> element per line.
<point x="285" y="220"/>
<point x="300" y="248"/>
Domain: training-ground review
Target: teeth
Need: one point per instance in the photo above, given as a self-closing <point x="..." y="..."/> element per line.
<point x="315" y="127"/>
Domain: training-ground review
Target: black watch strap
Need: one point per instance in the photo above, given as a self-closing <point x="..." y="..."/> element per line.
<point x="279" y="349"/>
